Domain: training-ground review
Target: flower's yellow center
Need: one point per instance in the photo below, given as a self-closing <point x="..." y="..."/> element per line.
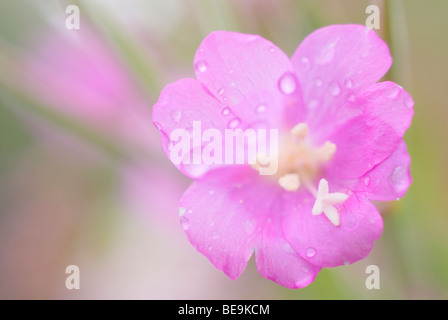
<point x="299" y="165"/>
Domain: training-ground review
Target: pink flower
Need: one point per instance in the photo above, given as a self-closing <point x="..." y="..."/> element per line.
<point x="341" y="147"/>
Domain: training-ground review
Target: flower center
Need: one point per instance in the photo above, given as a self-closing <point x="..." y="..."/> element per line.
<point x="299" y="164"/>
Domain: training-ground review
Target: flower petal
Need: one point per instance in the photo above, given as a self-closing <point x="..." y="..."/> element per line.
<point x="387" y="181"/>
<point x="276" y="259"/>
<point x="243" y="72"/>
<point x="222" y="215"/>
<point x="317" y="240"/>
<point x="179" y="105"/>
<point x="389" y="102"/>
<point x="333" y="64"/>
<point x="361" y="143"/>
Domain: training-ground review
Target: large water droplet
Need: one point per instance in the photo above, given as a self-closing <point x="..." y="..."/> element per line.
<point x="185" y="223"/>
<point x="176" y="115"/>
<point x="335" y="90"/>
<point x="260" y="108"/>
<point x="225" y="111"/>
<point x="287" y="83"/>
<point x="310" y="252"/>
<point x="201" y="66"/>
<point x="234" y="123"/>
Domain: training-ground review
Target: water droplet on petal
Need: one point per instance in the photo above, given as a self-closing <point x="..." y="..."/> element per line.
<point x="271" y="49"/>
<point x="305" y="60"/>
<point x="393" y="94"/>
<point x="201" y="66"/>
<point x="185" y="223"/>
<point x="348" y="83"/>
<point x="220" y="91"/>
<point x="287" y="83"/>
<point x="234" y="123"/>
<point x="181" y="211"/>
<point x="249" y="227"/>
<point x="225" y="111"/>
<point x="335" y="89"/>
<point x="310" y="252"/>
<point x="211" y="192"/>
<point x="367" y="181"/>
<point x="409" y="102"/>
<point x="260" y="108"/>
<point x="176" y="115"/>
<point x="318" y="82"/>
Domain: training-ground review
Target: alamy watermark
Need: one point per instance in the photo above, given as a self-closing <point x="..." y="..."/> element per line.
<point x="257" y="147"/>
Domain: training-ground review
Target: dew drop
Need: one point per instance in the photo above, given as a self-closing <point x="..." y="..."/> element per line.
<point x="367" y="181"/>
<point x="348" y="83"/>
<point x="225" y="111"/>
<point x="181" y="211"/>
<point x="305" y="60"/>
<point x="260" y="108"/>
<point x="408" y="102"/>
<point x="221" y="91"/>
<point x="335" y="90"/>
<point x="271" y="49"/>
<point x="201" y="66"/>
<point x="185" y="223"/>
<point x="176" y="115"/>
<point x="287" y="83"/>
<point x="393" y="94"/>
<point x="211" y="192"/>
<point x="234" y="123"/>
<point x="310" y="252"/>
<point x="318" y="82"/>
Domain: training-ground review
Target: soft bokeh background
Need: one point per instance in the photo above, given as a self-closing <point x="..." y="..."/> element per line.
<point x="83" y="180"/>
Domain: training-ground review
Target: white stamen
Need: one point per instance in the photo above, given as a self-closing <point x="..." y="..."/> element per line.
<point x="289" y="182"/>
<point x="300" y="132"/>
<point x="325" y="202"/>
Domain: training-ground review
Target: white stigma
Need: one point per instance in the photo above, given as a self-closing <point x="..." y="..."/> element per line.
<point x="289" y="182"/>
<point x="325" y="202"/>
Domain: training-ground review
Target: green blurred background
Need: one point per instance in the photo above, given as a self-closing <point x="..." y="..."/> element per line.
<point x="78" y="191"/>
